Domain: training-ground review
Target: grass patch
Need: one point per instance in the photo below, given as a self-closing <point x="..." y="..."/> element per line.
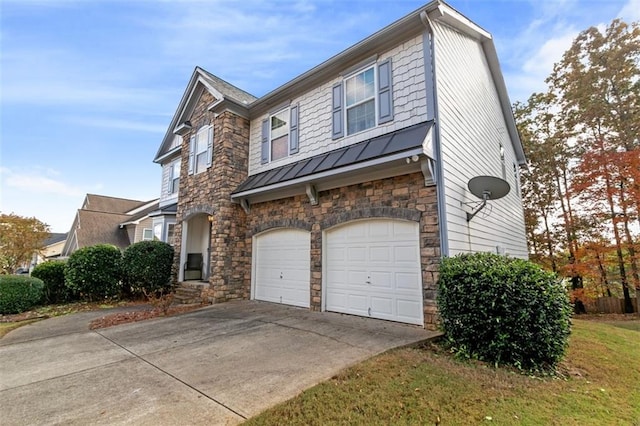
<point x="6" y="327"/>
<point x="599" y="385"/>
<point x="11" y="322"/>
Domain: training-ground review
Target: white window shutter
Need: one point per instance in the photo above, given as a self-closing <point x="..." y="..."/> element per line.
<point x="385" y="92"/>
<point x="192" y="151"/>
<point x="293" y="130"/>
<point x="210" y="146"/>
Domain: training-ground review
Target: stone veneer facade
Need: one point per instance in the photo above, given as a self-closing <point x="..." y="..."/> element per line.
<point x="401" y="197"/>
<point x="232" y="230"/>
<point x="209" y="193"/>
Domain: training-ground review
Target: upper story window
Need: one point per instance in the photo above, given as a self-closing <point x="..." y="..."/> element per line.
<point x="363" y="100"/>
<point x="173" y="183"/>
<point x="201" y="150"/>
<point x="280" y="134"/>
<point x="360" y="101"/>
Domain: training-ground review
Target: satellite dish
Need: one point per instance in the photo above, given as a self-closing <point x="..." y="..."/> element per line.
<point x="487" y="188"/>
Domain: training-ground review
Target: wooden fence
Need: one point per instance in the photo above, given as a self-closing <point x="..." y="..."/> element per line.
<point x="613" y="305"/>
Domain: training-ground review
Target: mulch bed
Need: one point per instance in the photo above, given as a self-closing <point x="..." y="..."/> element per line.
<point x="140" y="315"/>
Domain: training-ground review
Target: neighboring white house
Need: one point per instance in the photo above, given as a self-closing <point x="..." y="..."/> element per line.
<point x="342" y="189"/>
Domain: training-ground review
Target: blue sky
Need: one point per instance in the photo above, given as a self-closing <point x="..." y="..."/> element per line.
<point x="88" y="87"/>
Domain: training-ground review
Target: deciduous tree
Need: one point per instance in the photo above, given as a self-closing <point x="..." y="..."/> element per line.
<point x="20" y="238"/>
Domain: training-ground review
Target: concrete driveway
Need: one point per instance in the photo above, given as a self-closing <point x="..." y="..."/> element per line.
<point x="219" y="365"/>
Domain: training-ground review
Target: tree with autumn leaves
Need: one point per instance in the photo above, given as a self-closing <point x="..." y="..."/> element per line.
<point x="581" y="190"/>
<point x="20" y="238"/>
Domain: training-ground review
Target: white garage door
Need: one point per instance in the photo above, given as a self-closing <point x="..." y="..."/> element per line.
<point x="373" y="270"/>
<point x="282" y="267"/>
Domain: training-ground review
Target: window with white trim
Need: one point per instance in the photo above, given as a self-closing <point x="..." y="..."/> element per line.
<point x="201" y="149"/>
<point x="279" y="134"/>
<point x="360" y="101"/>
<point x="171" y="233"/>
<point x="157" y="231"/>
<point x="175" y="178"/>
<point x="147" y="234"/>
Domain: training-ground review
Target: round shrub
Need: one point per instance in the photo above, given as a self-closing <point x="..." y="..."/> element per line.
<point x="147" y="267"/>
<point x="52" y="274"/>
<point x="94" y="272"/>
<point x="19" y="293"/>
<point x="503" y="311"/>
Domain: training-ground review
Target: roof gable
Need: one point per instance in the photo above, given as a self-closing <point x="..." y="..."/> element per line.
<point x="200" y="81"/>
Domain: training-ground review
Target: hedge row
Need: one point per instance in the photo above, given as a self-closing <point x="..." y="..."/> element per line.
<point x="94" y="273"/>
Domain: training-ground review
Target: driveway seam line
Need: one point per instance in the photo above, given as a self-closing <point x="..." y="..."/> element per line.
<point x="172" y="376"/>
<point x="313" y="332"/>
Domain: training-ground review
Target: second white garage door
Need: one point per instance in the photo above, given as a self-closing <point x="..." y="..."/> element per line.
<point x="282" y="267"/>
<point x="373" y="270"/>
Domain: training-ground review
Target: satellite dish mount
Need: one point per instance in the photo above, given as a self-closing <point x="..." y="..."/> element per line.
<point x="486" y="188"/>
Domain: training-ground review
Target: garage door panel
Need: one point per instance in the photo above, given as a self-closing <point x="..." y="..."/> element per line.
<point x="282" y="270"/>
<point x="386" y="254"/>
<point x="380" y="254"/>
<point x="382" y="280"/>
<point x="381" y="306"/>
<point x="408" y="281"/>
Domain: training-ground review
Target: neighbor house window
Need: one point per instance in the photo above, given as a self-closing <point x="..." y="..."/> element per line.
<point x="280" y="134"/>
<point x="360" y="101"/>
<point x="147" y="234"/>
<point x="157" y="231"/>
<point x="171" y="233"/>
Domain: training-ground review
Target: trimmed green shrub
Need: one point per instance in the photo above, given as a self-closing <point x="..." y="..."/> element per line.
<point x="504" y="311"/>
<point x="19" y="293"/>
<point x="95" y="272"/>
<point x="147" y="267"/>
<point x="52" y="274"/>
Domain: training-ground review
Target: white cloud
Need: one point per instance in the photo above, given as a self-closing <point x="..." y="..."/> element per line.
<point x="630" y="12"/>
<point x="108" y="123"/>
<point x="37" y="183"/>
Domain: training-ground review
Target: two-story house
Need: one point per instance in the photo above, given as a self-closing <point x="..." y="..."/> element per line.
<point x="342" y="189"/>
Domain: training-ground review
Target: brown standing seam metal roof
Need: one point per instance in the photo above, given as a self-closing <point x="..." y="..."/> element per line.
<point x="380" y="146"/>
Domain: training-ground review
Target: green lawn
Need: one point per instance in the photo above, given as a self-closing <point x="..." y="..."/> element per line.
<point x="600" y="385"/>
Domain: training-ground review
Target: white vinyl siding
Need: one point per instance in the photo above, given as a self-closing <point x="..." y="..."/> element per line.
<point x="472" y="127"/>
<point x="315" y="109"/>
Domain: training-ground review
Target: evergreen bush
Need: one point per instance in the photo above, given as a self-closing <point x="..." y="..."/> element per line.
<point x="19" y="293"/>
<point x="504" y="311"/>
<point x="94" y="272"/>
<point x="147" y="267"/>
<point x="52" y="274"/>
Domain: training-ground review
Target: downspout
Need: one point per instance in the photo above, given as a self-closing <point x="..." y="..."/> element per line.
<point x="428" y="46"/>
